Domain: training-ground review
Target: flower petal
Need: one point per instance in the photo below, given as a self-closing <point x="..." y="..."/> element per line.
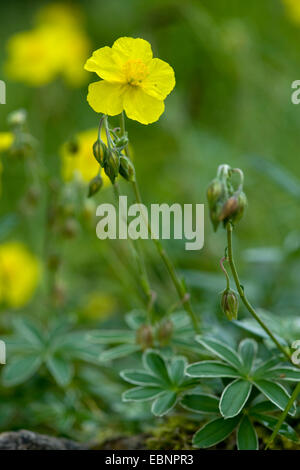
<point x="161" y="79"/>
<point x="142" y="107"/>
<point x="105" y="97"/>
<point x="103" y="63"/>
<point x="125" y="49"/>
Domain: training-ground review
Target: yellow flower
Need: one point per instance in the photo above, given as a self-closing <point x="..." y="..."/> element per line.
<point x="38" y="56"/>
<point x="293" y="9"/>
<point x="19" y="274"/>
<point x="6" y="140"/>
<point x="80" y="162"/>
<point x="132" y="80"/>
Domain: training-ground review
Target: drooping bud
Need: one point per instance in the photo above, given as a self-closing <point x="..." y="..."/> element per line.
<point x="230" y="304"/>
<point x="144" y="336"/>
<point x="100" y="152"/>
<point x="229" y="208"/>
<point x="165" y="332"/>
<point x="112" y="165"/>
<point x="126" y="168"/>
<point x="95" y="185"/>
<point x="242" y="204"/>
<point x="121" y="142"/>
<point x="214" y="192"/>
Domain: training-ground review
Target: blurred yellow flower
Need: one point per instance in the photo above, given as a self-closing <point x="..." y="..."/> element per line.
<point x="6" y="140"/>
<point x="132" y="80"/>
<point x="293" y="9"/>
<point x="78" y="160"/>
<point x="19" y="274"/>
<point x="57" y="45"/>
<point x="100" y="306"/>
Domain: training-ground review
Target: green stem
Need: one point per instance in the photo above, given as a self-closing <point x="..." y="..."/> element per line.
<point x="284" y="414"/>
<point x="243" y="296"/>
<point x="179" y="286"/>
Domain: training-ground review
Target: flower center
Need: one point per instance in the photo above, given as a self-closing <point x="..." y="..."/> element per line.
<point x="135" y="72"/>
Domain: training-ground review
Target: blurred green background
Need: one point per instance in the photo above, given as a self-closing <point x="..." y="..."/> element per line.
<point x="234" y="63"/>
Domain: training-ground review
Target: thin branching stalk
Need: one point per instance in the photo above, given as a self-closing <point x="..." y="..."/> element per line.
<point x="179" y="285"/>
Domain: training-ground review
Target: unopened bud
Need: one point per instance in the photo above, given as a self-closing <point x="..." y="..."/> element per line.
<point x="214" y="192"/>
<point x="95" y="185"/>
<point x="242" y="204"/>
<point x="121" y="142"/>
<point x="126" y="169"/>
<point x="229" y="208"/>
<point x="165" y="332"/>
<point x="100" y="152"/>
<point x="144" y="336"/>
<point x="230" y="304"/>
<point x="112" y="166"/>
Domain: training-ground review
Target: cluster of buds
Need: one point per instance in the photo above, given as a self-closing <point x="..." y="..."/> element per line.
<point x="226" y="204"/>
<point x="148" y="336"/>
<point x="112" y="159"/>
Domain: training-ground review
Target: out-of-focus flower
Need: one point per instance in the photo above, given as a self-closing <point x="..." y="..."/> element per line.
<point x="132" y="80"/>
<point x="293" y="10"/>
<point x="19" y="274"/>
<point x="99" y="306"/>
<point x="78" y="160"/>
<point x="6" y="140"/>
<point x="57" y="45"/>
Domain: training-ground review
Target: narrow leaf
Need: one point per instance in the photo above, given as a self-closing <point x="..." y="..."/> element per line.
<point x="246" y="435"/>
<point x="141" y="393"/>
<point x="247" y="351"/>
<point x="176" y="369"/>
<point x="206" y="369"/>
<point x="140" y="377"/>
<point x="270" y="422"/>
<point x="20" y="370"/>
<point x="118" y="351"/>
<point x="200" y="403"/>
<point x="234" y="398"/>
<point x="156" y="365"/>
<point x="275" y="392"/>
<point x="61" y="370"/>
<point x="215" y="431"/>
<point x="164" y="403"/>
<point x="221" y="350"/>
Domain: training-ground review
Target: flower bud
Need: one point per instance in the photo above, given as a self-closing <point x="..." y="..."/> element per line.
<point x="230" y="304"/>
<point x="100" y="152"/>
<point x="95" y="185"/>
<point x="126" y="169"/>
<point x="165" y="332"/>
<point x="112" y="166"/>
<point x="121" y="142"/>
<point x="242" y="204"/>
<point x="214" y="192"/>
<point x="144" y="336"/>
<point x="229" y="208"/>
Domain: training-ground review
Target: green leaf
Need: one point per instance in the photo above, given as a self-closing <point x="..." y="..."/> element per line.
<point x="263" y="407"/>
<point x="206" y="369"/>
<point x="200" y="403"/>
<point x="221" y="350"/>
<point x="288" y="373"/>
<point x="61" y="370"/>
<point x="176" y="369"/>
<point x="156" y="365"/>
<point x="234" y="398"/>
<point x="141" y="393"/>
<point x="247" y="350"/>
<point x="140" y="377"/>
<point x="20" y="370"/>
<point x="275" y="392"/>
<point x="29" y="332"/>
<point x="111" y="337"/>
<point x="164" y="403"/>
<point x="263" y="367"/>
<point x="118" y="351"/>
<point x="215" y="431"/>
<point x="270" y="422"/>
<point x="246" y="435"/>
